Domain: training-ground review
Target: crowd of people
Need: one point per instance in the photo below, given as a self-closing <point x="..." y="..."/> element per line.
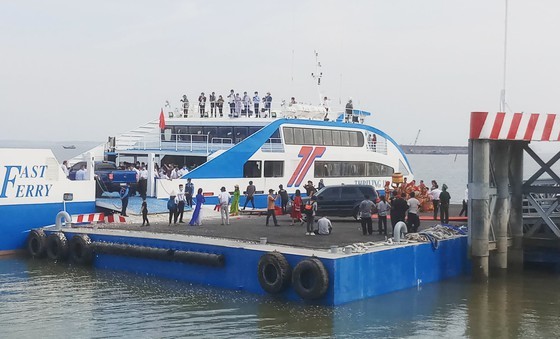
<point x="213" y="105"/>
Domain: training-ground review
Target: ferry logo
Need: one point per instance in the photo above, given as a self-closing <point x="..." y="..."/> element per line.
<point x="308" y="155"/>
<point x="19" y="181"/>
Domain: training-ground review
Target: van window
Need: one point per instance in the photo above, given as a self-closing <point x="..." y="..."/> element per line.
<point x="350" y="193"/>
<point x="331" y="193"/>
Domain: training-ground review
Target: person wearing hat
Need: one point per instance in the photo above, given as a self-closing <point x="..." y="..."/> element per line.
<point x="224" y="199"/>
<point x="271" y="207"/>
<point x="172" y="207"/>
<point x="444" y="199"/>
<point x="234" y="210"/>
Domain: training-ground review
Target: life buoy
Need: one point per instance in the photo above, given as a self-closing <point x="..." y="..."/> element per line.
<point x="81" y="249"/>
<point x="57" y="246"/>
<point x="37" y="243"/>
<point x="274" y="272"/>
<point x="310" y="279"/>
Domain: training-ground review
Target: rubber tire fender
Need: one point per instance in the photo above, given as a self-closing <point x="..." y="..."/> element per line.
<point x="81" y="249"/>
<point x="57" y="246"/>
<point x="274" y="272"/>
<point x="37" y="243"/>
<point x="310" y="279"/>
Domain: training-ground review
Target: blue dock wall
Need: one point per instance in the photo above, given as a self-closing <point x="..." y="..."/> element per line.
<point x="14" y="230"/>
<point x="351" y="277"/>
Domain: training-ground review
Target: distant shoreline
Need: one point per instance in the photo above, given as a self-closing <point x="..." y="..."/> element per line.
<point x="437" y="150"/>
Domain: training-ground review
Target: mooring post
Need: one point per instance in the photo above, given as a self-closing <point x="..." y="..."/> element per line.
<point x="151" y="189"/>
<point x="479" y="219"/>
<point x="515" y="256"/>
<point x="500" y="154"/>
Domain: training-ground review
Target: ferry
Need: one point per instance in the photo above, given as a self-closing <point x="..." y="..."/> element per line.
<point x="287" y="146"/>
<point x="33" y="190"/>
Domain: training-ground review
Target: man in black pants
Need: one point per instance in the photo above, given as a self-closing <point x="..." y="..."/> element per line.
<point x="181" y="203"/>
<point x="366" y="209"/>
<point x="413" y="220"/>
<point x="250" y="192"/>
<point x="123" y="193"/>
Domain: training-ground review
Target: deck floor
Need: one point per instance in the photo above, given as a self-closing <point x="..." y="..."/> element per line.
<point x="346" y="231"/>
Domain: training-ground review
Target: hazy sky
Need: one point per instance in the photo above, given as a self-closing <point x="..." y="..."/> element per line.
<point x="86" y="70"/>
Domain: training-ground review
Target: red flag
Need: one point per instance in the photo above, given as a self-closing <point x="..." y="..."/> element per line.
<point x="161" y="120"/>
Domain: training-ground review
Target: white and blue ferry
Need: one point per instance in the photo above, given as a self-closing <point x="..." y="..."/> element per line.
<point x="289" y="146"/>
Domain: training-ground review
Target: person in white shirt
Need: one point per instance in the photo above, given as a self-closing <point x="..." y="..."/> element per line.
<point x="224" y="198"/>
<point x="180" y="202"/>
<point x="325" y="226"/>
<point x="256" y="103"/>
<point x="434" y="194"/>
<point x="65" y="169"/>
<point x="383" y="208"/>
<point x="413" y="220"/>
<point x="81" y="174"/>
<point x="143" y="182"/>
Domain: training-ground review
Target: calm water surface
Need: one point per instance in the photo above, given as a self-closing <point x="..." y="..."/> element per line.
<point x="42" y="299"/>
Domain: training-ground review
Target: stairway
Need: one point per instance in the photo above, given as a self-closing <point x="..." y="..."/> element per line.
<point x="129" y="140"/>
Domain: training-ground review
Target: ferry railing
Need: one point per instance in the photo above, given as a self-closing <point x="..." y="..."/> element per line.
<point x="378" y="146"/>
<point x="185" y="142"/>
<point x="273" y="145"/>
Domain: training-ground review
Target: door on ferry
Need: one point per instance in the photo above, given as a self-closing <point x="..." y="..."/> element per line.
<point x="327" y="201"/>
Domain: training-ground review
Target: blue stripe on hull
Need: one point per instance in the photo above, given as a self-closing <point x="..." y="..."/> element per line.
<point x="17" y="220"/>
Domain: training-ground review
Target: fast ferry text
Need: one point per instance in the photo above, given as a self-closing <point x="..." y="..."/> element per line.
<point x="16" y="183"/>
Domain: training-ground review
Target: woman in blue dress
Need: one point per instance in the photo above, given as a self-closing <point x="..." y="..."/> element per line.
<point x="197" y="214"/>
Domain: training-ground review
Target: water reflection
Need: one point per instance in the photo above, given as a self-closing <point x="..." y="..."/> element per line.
<point x="43" y="299"/>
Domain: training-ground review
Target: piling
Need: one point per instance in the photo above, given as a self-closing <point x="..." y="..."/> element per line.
<point x="515" y="256"/>
<point x="479" y="219"/>
<point x="500" y="216"/>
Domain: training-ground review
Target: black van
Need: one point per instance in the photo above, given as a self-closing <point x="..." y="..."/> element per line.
<point x="342" y="200"/>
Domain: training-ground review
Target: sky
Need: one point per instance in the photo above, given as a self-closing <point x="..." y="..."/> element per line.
<point x="86" y="70"/>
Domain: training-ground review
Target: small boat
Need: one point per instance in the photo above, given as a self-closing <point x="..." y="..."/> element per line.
<point x="68" y="146"/>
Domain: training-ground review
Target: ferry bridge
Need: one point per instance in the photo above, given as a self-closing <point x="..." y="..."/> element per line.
<point x="506" y="213"/>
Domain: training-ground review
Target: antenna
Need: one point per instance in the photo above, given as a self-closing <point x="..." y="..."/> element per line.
<point x="318" y="74"/>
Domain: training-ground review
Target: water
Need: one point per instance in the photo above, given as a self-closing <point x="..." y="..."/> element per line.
<point x="48" y="300"/>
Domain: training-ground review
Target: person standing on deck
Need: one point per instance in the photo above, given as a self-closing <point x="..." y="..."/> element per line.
<point x="81" y="174"/>
<point x="143" y="182"/>
<point x="382" y="208"/>
<point x="366" y="210"/>
<point x="213" y="104"/>
<point x="413" y="220"/>
<point x="246" y="104"/>
<point x="271" y="207"/>
<point x="267" y="103"/>
<point x="256" y="103"/>
<point x="64" y="168"/>
<point x="296" y="208"/>
<point x="434" y="194"/>
<point x="185" y="102"/>
<point x="444" y="199"/>
<point x="249" y="194"/>
<point x="202" y="104"/>
<point x="197" y="214"/>
<point x="284" y="198"/>
<point x="231" y="102"/>
<point x="224" y="199"/>
<point x="398" y="209"/>
<point x="235" y="201"/>
<point x="310" y="210"/>
<point x="172" y="207"/>
<point x="238" y="100"/>
<point x="220" y="105"/>
<point x="180" y="201"/>
<point x="144" y="210"/>
<point x="124" y="193"/>
<point x="189" y="191"/>
<point x="349" y="110"/>
<point x="465" y="208"/>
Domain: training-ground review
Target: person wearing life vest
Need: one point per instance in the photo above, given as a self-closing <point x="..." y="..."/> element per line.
<point x="310" y="210"/>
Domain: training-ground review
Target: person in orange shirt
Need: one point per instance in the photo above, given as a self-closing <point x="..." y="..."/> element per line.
<point x="270" y="211"/>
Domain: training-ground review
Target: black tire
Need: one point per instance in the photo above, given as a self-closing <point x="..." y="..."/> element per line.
<point x="37" y="243"/>
<point x="57" y="246"/>
<point x="274" y="272"/>
<point x="310" y="279"/>
<point x="81" y="249"/>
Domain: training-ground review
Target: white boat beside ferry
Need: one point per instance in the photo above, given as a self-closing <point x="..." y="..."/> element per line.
<point x="290" y="146"/>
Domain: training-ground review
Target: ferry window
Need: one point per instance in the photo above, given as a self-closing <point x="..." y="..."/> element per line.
<point x="336" y="138"/>
<point x="318" y="137"/>
<point x="240" y="133"/>
<point x="253" y="130"/>
<point x="275" y="136"/>
<point x="252" y="169"/>
<point x="360" y="139"/>
<point x="225" y="132"/>
<point x="353" y="139"/>
<point x="351" y="169"/>
<point x="196" y="130"/>
<point x="298" y="136"/>
<point x="379" y="170"/>
<point x="327" y="137"/>
<point x="273" y="169"/>
<point x="211" y="132"/>
<point x="402" y="168"/>
<point x="308" y="136"/>
<point x="289" y="135"/>
<point x="345" y="138"/>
